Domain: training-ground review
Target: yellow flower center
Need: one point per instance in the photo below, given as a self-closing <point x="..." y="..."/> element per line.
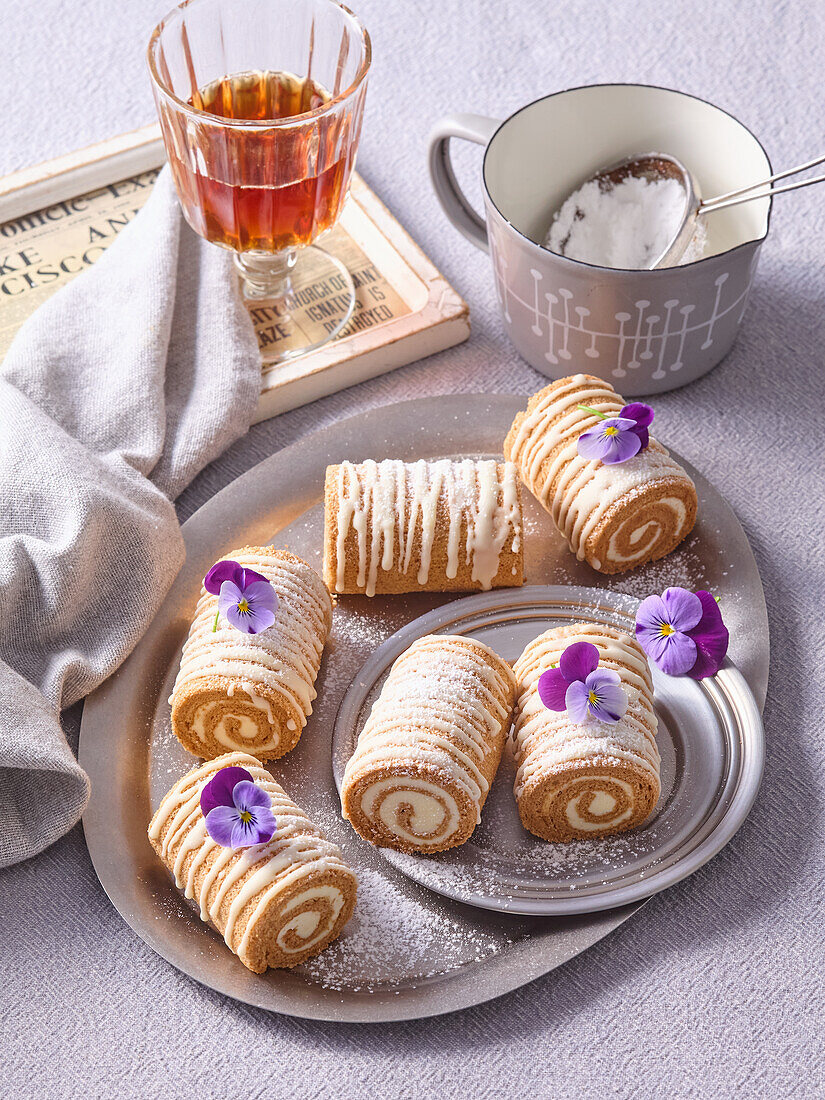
<point x="243" y="605"/>
<point x="246" y="816"/>
<point x="611" y="430"/>
<point x="592" y="698"/>
<point x="667" y="630"/>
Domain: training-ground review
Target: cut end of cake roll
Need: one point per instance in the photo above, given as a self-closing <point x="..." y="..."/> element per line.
<point x="445" y="526"/>
<point x="614" y="517"/>
<point x="583" y="801"/>
<point x="431" y="746"/>
<point x="276" y="904"/>
<point x="589" y="779"/>
<point x="253" y="692"/>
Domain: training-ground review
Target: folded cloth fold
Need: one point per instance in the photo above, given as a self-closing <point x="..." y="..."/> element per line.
<point x="113" y="396"/>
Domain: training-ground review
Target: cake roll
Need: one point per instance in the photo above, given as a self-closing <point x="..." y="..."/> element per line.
<point x="614" y="517"/>
<point x="276" y="903"/>
<point x="431" y="746"/>
<point x="422" y="527"/>
<point x="253" y="692"/>
<point x="590" y="779"/>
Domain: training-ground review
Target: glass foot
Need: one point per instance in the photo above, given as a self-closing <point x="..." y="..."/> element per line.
<point x="299" y="300"/>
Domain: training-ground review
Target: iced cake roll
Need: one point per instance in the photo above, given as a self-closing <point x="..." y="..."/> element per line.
<point x="594" y="778"/>
<point x="424" y="762"/>
<point x="614" y="517"/>
<point x="277" y="903"/>
<point x="422" y="527"/>
<point x="253" y="692"/>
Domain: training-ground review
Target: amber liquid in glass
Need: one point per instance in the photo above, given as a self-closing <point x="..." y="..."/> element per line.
<point x="265" y="189"/>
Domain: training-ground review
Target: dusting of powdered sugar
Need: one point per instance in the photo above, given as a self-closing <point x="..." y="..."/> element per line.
<point x="626" y="225"/>
<point x="683" y="568"/>
<point x="394" y="933"/>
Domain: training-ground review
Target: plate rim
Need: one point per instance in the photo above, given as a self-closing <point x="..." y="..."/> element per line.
<point x="728" y="684"/>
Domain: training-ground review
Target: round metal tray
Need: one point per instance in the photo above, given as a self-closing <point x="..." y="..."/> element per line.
<point x="439" y="955"/>
<point x="710" y="737"/>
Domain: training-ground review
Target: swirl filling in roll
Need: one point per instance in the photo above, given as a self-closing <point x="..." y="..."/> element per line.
<point x="277" y="903"/>
<point x="590" y="779"/>
<point x="614" y="517"/>
<point x="253" y="692"/>
<point x="431" y="746"/>
<point x="422" y="527"/>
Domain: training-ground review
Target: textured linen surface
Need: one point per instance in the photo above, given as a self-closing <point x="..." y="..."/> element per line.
<point x="102" y="423"/>
<point x="715" y="988"/>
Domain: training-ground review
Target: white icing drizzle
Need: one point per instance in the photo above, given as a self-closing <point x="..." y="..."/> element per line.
<point x="263" y="873"/>
<point x="276" y="667"/>
<point x="579" y="492"/>
<point x="388" y="508"/>
<point x="547" y="741"/>
<point x="429" y="737"/>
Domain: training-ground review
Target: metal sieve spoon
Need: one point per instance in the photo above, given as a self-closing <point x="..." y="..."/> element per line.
<point x="660" y="166"/>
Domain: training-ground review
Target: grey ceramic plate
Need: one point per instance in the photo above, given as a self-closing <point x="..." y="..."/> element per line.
<point x="408" y="952"/>
<point x="710" y="737"/>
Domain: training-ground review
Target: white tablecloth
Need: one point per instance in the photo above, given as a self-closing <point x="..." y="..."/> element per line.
<point x="715" y="988"/>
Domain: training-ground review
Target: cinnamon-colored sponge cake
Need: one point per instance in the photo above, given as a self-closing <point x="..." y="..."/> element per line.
<point x="276" y="904"/>
<point x="589" y="779"/>
<point x="253" y="692"/>
<point x="440" y="526"/>
<point x="614" y="517"/>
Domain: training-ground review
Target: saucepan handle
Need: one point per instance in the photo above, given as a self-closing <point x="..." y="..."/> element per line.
<point x="475" y="128"/>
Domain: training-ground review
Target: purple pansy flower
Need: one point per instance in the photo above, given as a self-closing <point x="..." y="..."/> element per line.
<point x="245" y="598"/>
<point x="616" y="438"/>
<point x="237" y="811"/>
<point x="581" y="688"/>
<point x="643" y="416"/>
<point x="682" y="632"/>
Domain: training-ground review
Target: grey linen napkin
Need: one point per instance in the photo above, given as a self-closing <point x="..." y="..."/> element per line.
<point x="114" y="394"/>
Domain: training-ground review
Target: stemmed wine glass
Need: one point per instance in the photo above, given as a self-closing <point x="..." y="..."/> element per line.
<point x="260" y="105"/>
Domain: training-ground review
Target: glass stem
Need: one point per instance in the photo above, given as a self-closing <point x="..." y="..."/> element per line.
<point x="266" y="274"/>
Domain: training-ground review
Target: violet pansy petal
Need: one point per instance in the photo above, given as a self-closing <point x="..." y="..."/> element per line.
<point x="623" y="446"/>
<point x="592" y="444"/>
<point x="683" y="608"/>
<point x="654" y="643"/>
<point x="552" y="689"/>
<point x="711" y="637"/>
<point x="677" y="656"/>
<point x="265" y="825"/>
<point x="644" y="437"/>
<point x="249" y="796"/>
<point x="257" y="620"/>
<point x="578" y="661"/>
<point x="244" y="833"/>
<point x="222" y="571"/>
<point x="262" y="596"/>
<point x="651" y="613"/>
<point x="220" y="824"/>
<point x="639" y="412"/>
<point x="705" y="665"/>
<point x="602" y="677"/>
<point x="229" y="596"/>
<point x="218" y="791"/>
<point x="250" y="577"/>
<point x="240" y="620"/>
<point x="611" y="697"/>
<point x="576" y="701"/>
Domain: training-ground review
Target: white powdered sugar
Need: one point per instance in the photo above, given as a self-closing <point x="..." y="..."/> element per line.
<point x="627" y="225"/>
<point x="394" y="931"/>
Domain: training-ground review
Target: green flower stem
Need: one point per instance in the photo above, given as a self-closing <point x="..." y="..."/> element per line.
<point x="593" y="412"/>
<point x="215" y="624"/>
